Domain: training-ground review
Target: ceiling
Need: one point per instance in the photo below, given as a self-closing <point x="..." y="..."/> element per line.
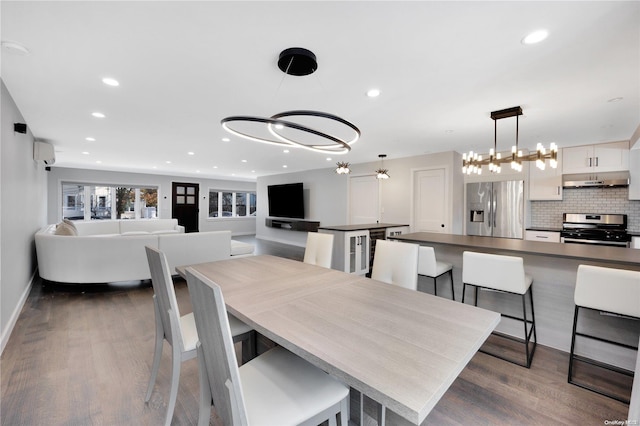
<point x="441" y="67"/>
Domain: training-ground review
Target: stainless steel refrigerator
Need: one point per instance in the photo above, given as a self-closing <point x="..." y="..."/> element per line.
<point x="495" y="209"/>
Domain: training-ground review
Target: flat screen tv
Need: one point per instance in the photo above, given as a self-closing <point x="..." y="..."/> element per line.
<point x="286" y="200"/>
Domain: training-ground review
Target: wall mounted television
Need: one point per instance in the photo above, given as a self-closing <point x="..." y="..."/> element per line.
<point x="286" y="200"/>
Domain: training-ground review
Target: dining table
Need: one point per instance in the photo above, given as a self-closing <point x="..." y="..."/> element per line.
<point x="400" y="347"/>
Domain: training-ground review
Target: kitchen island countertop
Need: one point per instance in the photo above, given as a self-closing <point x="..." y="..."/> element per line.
<point x="617" y="255"/>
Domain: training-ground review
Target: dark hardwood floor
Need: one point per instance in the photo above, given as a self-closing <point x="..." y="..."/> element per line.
<point x="82" y="355"/>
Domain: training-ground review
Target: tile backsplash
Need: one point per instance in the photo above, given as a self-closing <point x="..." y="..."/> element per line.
<point x="548" y="214"/>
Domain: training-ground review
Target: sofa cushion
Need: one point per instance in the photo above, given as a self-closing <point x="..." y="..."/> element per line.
<point x="97" y="227"/>
<point x="148" y="225"/>
<point x="64" y="229"/>
<point x="240" y="248"/>
<point x="135" y="233"/>
<point x="166" y="231"/>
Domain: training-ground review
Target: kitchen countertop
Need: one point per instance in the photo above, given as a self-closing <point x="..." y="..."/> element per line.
<point x="618" y="255"/>
<point x="361" y="227"/>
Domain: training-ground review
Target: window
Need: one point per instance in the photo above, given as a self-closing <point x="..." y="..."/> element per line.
<point x="231" y="204"/>
<point x="108" y="202"/>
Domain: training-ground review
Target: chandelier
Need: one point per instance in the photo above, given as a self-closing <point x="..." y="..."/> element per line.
<point x="342" y="168"/>
<point x="299" y="62"/>
<point x="473" y="162"/>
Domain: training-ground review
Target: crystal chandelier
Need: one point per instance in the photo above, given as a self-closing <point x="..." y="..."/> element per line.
<point x="473" y="162"/>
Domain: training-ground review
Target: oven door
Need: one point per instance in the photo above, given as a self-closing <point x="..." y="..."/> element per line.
<point x="594" y="242"/>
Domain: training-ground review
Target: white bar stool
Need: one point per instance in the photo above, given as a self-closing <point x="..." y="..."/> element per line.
<point x="609" y="290"/>
<point x="504" y="274"/>
<point x="428" y="266"/>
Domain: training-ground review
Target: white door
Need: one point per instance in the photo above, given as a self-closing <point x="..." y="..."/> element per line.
<point x="431" y="201"/>
<point x="364" y="199"/>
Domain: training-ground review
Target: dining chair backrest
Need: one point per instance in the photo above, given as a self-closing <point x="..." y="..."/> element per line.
<point x="494" y="271"/>
<point x="165" y="295"/>
<point x="217" y="349"/>
<point x="427" y="261"/>
<point x="608" y="289"/>
<point x="396" y="263"/>
<point x="319" y="249"/>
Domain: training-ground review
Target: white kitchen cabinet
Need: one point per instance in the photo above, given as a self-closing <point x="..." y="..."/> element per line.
<point x="635" y="242"/>
<point x="606" y="157"/>
<point x="350" y="250"/>
<point x="544" y="236"/>
<point x="634" y="174"/>
<point x="546" y="184"/>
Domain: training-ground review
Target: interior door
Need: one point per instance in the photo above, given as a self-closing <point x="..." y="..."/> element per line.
<point x="364" y="199"/>
<point x="430" y="201"/>
<point x="184" y="205"/>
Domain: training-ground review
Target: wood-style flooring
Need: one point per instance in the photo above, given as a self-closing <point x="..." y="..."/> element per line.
<point x="82" y="356"/>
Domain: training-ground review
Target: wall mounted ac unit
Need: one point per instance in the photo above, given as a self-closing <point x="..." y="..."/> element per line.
<point x="43" y="151"/>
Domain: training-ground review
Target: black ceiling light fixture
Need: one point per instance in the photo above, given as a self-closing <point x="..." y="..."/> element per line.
<point x="297" y="61"/>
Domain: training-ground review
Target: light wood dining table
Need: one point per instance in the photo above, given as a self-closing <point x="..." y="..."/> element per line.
<point x="401" y="348"/>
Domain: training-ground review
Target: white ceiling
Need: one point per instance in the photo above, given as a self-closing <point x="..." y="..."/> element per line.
<point x="442" y="68"/>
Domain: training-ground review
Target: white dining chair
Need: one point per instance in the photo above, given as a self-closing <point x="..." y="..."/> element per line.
<point x="504" y="274"/>
<point x="396" y="263"/>
<point x="275" y="388"/>
<point x="609" y="290"/>
<point x="319" y="249"/>
<point x="428" y="266"/>
<point x="180" y="331"/>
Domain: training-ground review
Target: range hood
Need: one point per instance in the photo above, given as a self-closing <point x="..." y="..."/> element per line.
<point x="597" y="180"/>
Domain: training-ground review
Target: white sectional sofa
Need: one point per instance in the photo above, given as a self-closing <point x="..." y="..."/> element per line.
<point x="113" y="250"/>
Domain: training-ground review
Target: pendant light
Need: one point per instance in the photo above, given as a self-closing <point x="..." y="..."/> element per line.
<point x="382" y="173"/>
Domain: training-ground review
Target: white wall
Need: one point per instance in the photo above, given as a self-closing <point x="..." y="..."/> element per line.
<point x="23" y="203"/>
<point x="237" y="226"/>
<point x="327" y="194"/>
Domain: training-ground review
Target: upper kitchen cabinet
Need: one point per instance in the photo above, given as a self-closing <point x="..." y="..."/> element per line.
<point x="546" y="184"/>
<point x="606" y="157"/>
<point x="634" y="174"/>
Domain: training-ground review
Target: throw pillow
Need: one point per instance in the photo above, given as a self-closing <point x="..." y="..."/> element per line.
<point x="64" y="229"/>
<point x="71" y="224"/>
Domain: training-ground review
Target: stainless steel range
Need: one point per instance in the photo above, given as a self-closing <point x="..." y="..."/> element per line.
<point x="590" y="228"/>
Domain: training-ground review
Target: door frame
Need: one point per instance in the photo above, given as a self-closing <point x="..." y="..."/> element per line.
<point x="447" y="178"/>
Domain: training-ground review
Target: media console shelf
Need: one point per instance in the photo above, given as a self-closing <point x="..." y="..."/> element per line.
<point x="292" y="224"/>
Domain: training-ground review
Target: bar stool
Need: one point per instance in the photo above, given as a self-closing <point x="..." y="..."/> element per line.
<point x="504" y="274"/>
<point x="428" y="266"/>
<point x="609" y="290"/>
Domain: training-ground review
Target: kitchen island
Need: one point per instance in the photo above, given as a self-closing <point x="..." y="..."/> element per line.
<point x="554" y="268"/>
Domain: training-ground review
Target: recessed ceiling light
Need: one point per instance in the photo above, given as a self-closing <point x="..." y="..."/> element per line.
<point x="85" y="152"/>
<point x="110" y="81"/>
<point x="328" y="158"/>
<point x="618" y="99"/>
<point x="225" y="139"/>
<point x="168" y="162"/>
<point x="284" y="167"/>
<point x="191" y="153"/>
<point x="98" y="115"/>
<point x="253" y="171"/>
<point x="373" y="93"/>
<point x="535" y="37"/>
<point x="197" y="171"/>
<point x="215" y="167"/>
<point x="244" y="161"/>
<point x="448" y="131"/>
<point x="286" y="151"/>
<point x="98" y="162"/>
<point x="90" y="139"/>
<point x="154" y="167"/>
<point x="279" y="126"/>
<point x="16" y="48"/>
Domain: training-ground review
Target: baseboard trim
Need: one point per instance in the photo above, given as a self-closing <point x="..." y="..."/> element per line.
<point x="6" y="333"/>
